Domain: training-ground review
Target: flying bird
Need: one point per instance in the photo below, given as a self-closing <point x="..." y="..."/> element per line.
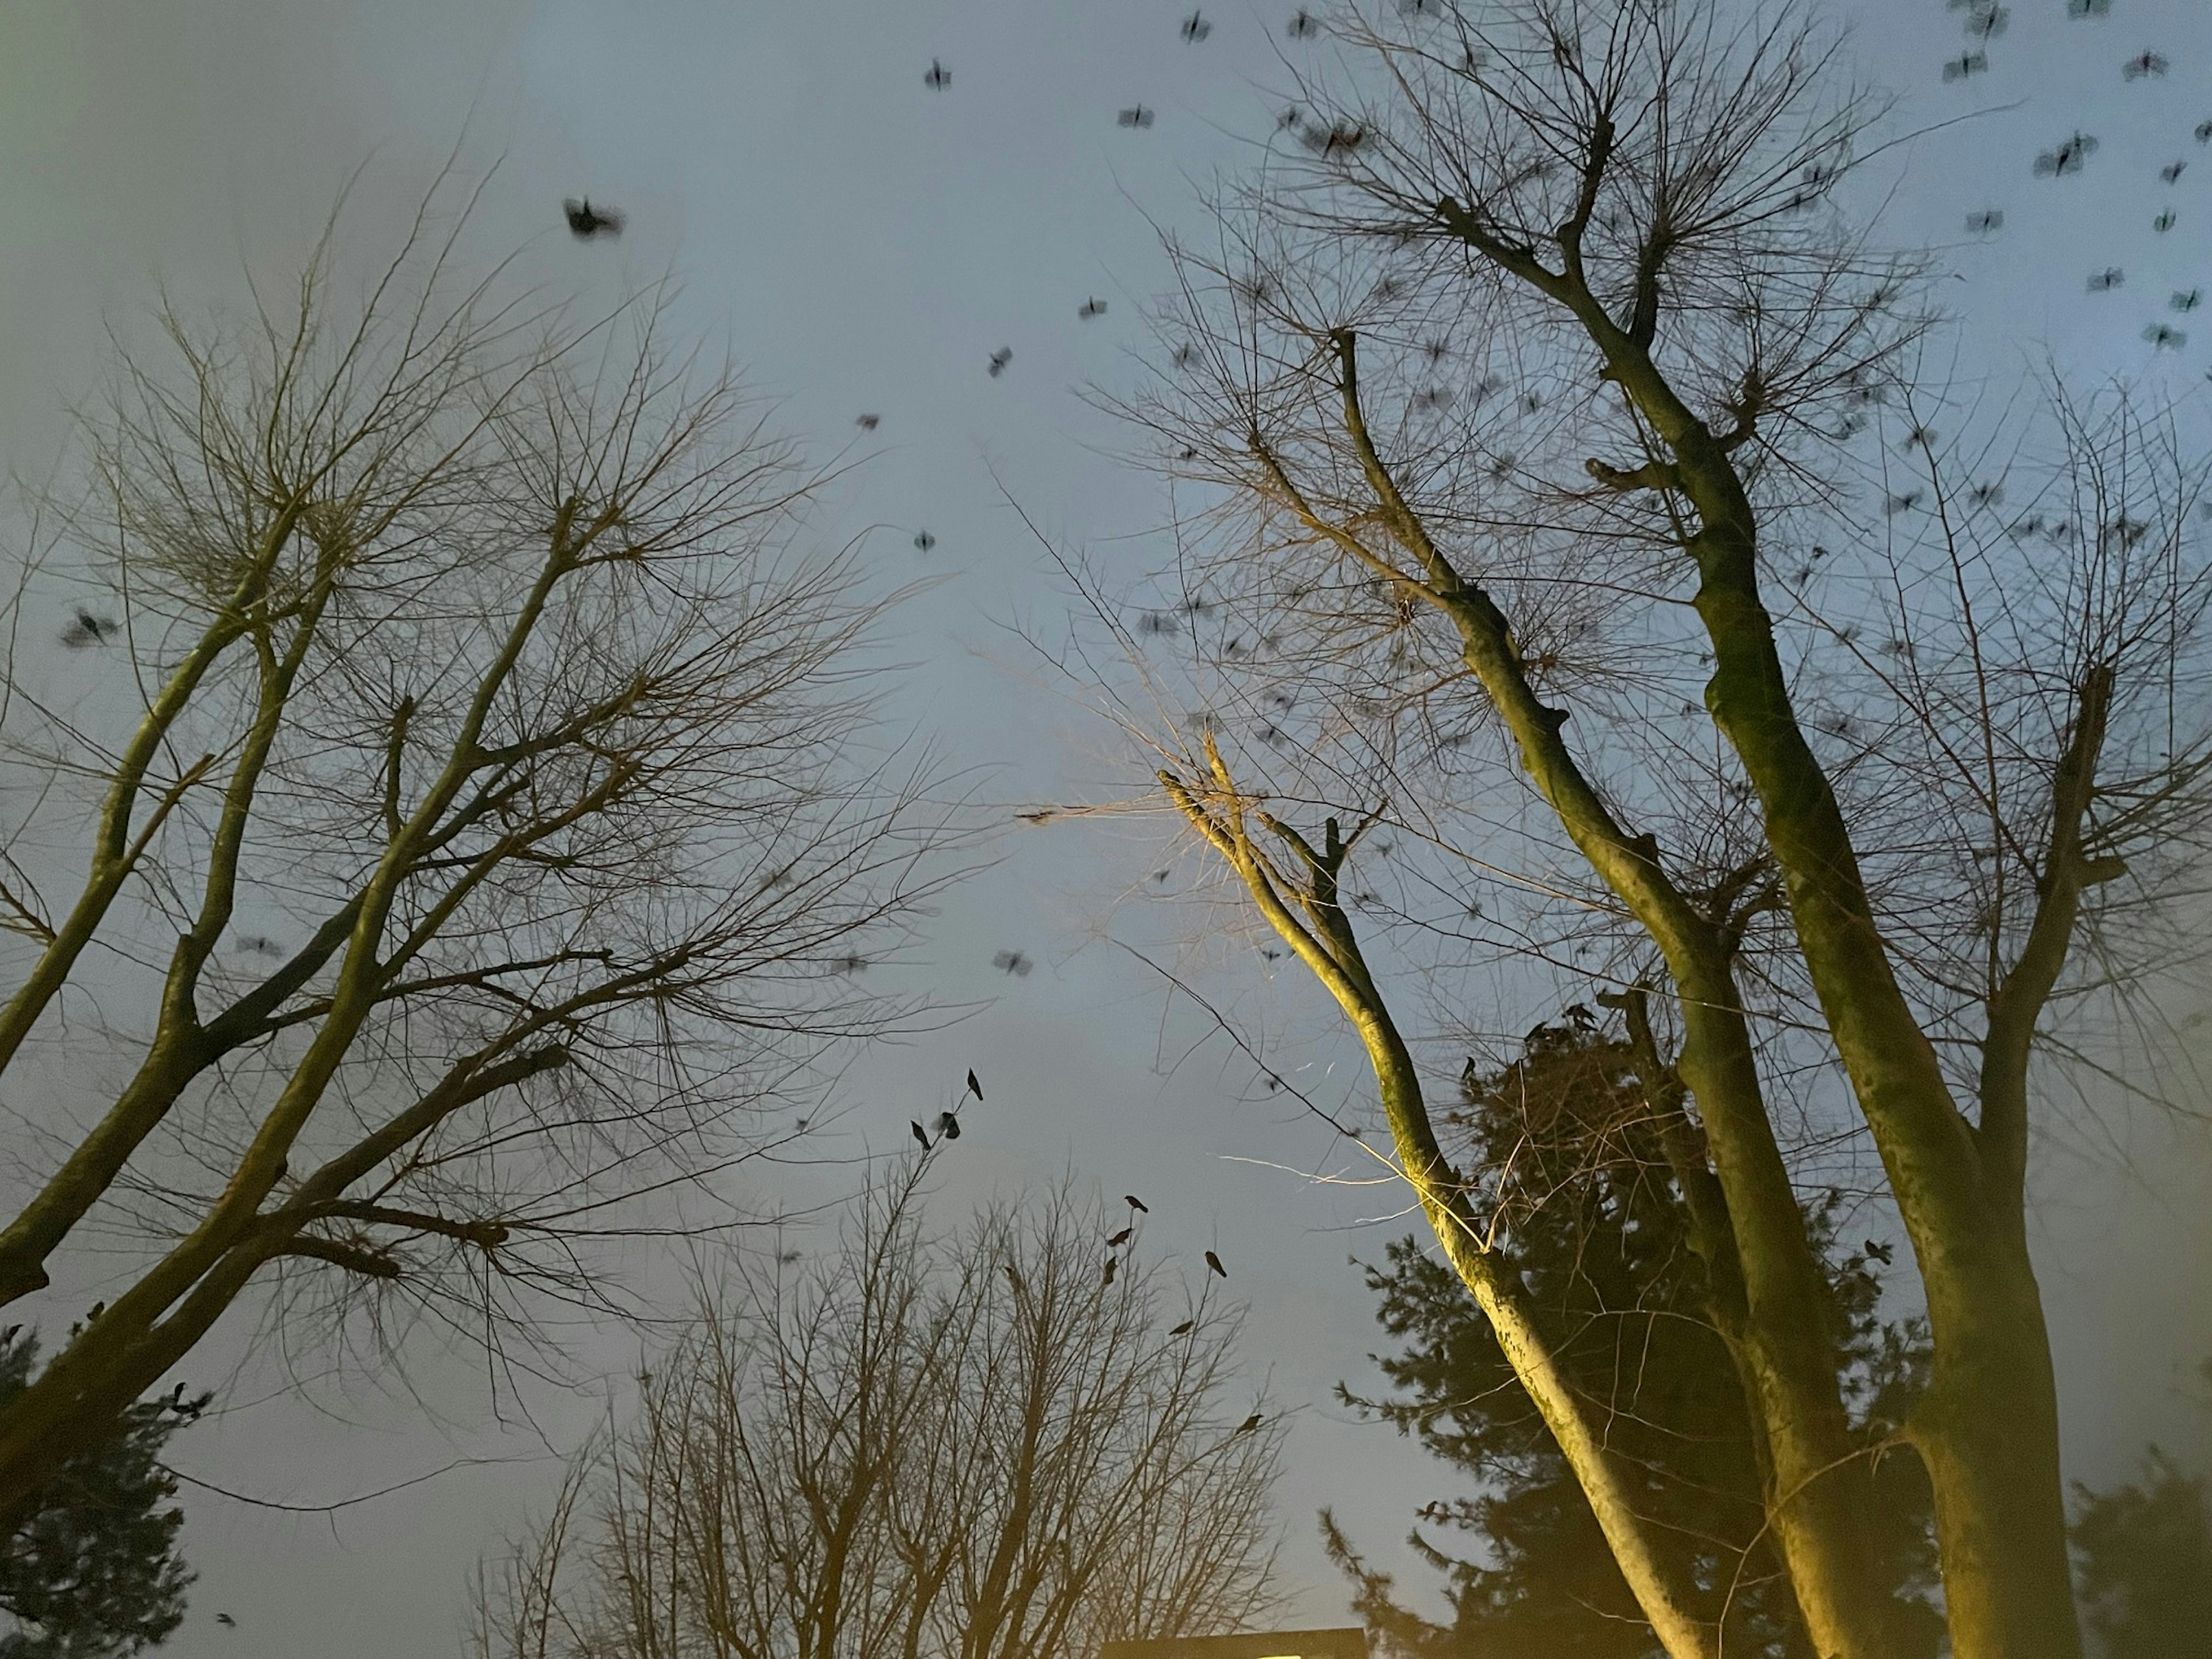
<point x="1135" y="116"/>
<point x="1214" y="1263"/>
<point x="2148" y="63"/>
<point x="2204" y="132"/>
<point x="1196" y="27"/>
<point x="1119" y="1239"/>
<point x="1972" y="63"/>
<point x="85" y="628"/>
<point x="2067" y="158"/>
<point x="2172" y="171"/>
<point x="869" y="422"/>
<point x="1136" y="1203"/>
<point x="586" y="222"/>
<point x="2105" y="281"/>
<point x="2186" y="299"/>
<point x="2089" y="8"/>
<point x="1302" y="26"/>
<point x="999" y="359"/>
<point x="1986" y="22"/>
<point x="1884" y="1254"/>
<point x="923" y="541"/>
<point x="1986" y="222"/>
<point x="2166" y="338"/>
<point x="920" y="1134"/>
<point x="1090" y="308"/>
<point x="974" y="1087"/>
<point x="938" y="77"/>
<point x="2164" y="222"/>
<point x="1013" y="962"/>
<point x="1182" y="1329"/>
<point x="226" y="1621"/>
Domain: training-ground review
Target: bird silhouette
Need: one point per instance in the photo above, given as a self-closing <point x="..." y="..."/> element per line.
<point x="1303" y="27"/>
<point x="1013" y="962"/>
<point x="1196" y="27"/>
<point x="2166" y="338"/>
<point x="2204" y="132"/>
<point x="1972" y="63"/>
<point x="1013" y="1276"/>
<point x="1135" y="116"/>
<point x="2089" y="8"/>
<point x="869" y="422"/>
<point x="920" y="1134"/>
<point x="2105" y="281"/>
<point x="938" y="77"/>
<point x="1986" y="222"/>
<point x="2067" y="158"/>
<point x="2186" y="299"/>
<point x="923" y="541"/>
<point x="226" y="1621"/>
<point x="2172" y="171"/>
<point x="1248" y="1424"/>
<point x="2164" y="222"/>
<point x="974" y="1087"/>
<point x="1113" y="1264"/>
<point x="1884" y="1254"/>
<point x="999" y="359"/>
<point x="1116" y="1241"/>
<point x="948" y="1127"/>
<point x="1986" y="22"/>
<point x="1136" y="1203"/>
<point x="1213" y="1262"/>
<point x="1090" y="308"/>
<point x="85" y="628"/>
<point x="1182" y="1329"/>
<point x="586" y="222"/>
<point x="2143" y="63"/>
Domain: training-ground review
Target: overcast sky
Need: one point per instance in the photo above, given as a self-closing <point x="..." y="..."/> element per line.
<point x="863" y="243"/>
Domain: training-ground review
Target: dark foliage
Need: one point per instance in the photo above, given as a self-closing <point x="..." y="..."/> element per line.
<point x="89" y="1569"/>
<point x="1590" y="1214"/>
<point x="2145" y="1558"/>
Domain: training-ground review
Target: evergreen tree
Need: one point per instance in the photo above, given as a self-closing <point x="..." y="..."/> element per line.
<point x="1587" y="1212"/>
<point x="2145" y="1555"/>
<point x="89" y="1568"/>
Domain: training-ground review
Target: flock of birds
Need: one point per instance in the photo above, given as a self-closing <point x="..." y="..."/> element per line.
<point x="1985" y="20"/>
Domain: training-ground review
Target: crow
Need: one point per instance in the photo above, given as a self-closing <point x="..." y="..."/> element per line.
<point x="1135" y="116"/>
<point x="1182" y="1329"/>
<point x="1303" y="27"/>
<point x="2067" y="158"/>
<point x="920" y="1134"/>
<point x="1090" y="308"/>
<point x="2105" y="281"/>
<point x="1113" y="1262"/>
<point x="2089" y="8"/>
<point x="2148" y="63"/>
<point x="1248" y="1424"/>
<point x="948" y="1127"/>
<point x="938" y="77"/>
<point x="1013" y="1276"/>
<point x="2186" y="299"/>
<point x="1013" y="962"/>
<point x="923" y="541"/>
<point x="1972" y="63"/>
<point x="1119" y="1239"/>
<point x="1884" y="1254"/>
<point x="85" y="628"/>
<point x="2172" y="171"/>
<point x="869" y="422"/>
<point x="2165" y="338"/>
<point x="974" y="1087"/>
<point x="999" y="359"/>
<point x="1136" y="1203"/>
<point x="2164" y="222"/>
<point x="226" y="1621"/>
<point x="2204" y="132"/>
<point x="1196" y="27"/>
<point x="1986" y="22"/>
<point x="1985" y="222"/>
<point x="586" y="222"/>
<point x="1213" y="1262"/>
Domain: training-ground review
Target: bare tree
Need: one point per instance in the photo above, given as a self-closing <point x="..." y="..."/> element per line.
<point x="979" y="1445"/>
<point x="471" y="806"/>
<point x="1541" y="376"/>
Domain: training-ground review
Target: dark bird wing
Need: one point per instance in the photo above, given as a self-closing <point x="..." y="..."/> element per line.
<point x="1136" y="1203"/>
<point x="974" y="1087"/>
<point x="1213" y="1261"/>
<point x="1182" y="1329"/>
<point x="1120" y="1239"/>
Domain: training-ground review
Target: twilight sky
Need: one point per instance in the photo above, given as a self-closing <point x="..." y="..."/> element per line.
<point x="862" y="243"/>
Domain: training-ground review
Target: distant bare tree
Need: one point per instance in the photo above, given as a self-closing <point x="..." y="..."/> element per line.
<point x="1541" y="377"/>
<point x="468" y="819"/>
<point x="970" y="1447"/>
